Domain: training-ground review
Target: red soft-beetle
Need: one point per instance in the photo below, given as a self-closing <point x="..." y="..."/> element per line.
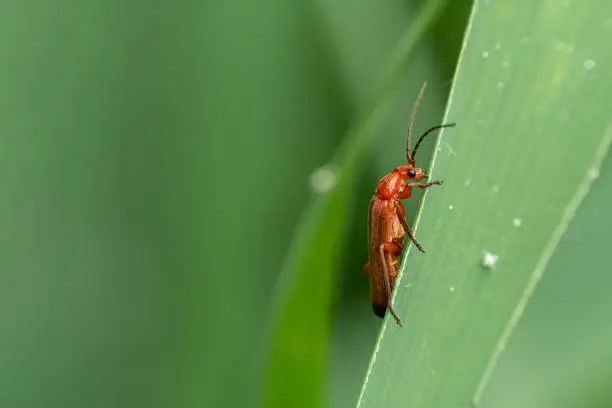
<point x="387" y="222"/>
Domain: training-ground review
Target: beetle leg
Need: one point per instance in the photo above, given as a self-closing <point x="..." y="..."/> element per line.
<point x="427" y="185"/>
<point x="400" y="244"/>
<point x="394" y="248"/>
<point x="366" y="269"/>
<point x="406" y="193"/>
<point x="390" y="248"/>
<point x="399" y="208"/>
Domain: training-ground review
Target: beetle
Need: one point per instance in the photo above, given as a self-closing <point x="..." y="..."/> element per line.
<point x="387" y="225"/>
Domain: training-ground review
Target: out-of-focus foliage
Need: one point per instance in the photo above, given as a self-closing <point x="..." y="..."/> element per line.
<point x="155" y="162"/>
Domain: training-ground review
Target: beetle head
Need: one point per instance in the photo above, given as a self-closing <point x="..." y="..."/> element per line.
<point x="411" y="173"/>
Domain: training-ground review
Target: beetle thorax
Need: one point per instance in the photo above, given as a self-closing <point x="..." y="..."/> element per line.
<point x="390" y="185"/>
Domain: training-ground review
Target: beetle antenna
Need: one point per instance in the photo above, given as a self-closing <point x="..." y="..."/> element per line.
<point x="411" y="124"/>
<point x="428" y="131"/>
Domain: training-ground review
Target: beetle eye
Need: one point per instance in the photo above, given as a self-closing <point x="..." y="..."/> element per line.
<point x="411" y="173"/>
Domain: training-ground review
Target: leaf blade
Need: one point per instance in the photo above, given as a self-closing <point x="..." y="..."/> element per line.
<point x="456" y="311"/>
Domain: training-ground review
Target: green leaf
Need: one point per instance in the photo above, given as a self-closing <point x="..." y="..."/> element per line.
<point x="560" y="354"/>
<point x="300" y="329"/>
<point x="530" y="101"/>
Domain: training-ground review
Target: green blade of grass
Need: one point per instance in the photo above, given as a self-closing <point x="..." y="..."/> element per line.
<point x="299" y="334"/>
<point x="560" y="354"/>
<point x="530" y="101"/>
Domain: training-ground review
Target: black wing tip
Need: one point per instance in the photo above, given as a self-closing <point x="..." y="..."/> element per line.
<point x="379" y="310"/>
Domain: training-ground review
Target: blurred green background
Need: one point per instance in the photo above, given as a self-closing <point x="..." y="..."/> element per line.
<point x="155" y="162"/>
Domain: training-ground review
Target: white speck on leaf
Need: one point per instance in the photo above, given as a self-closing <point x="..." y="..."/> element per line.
<point x="593" y="174"/>
<point x="323" y="179"/>
<point x="485" y="54"/>
<point x="517" y="222"/>
<point x="589" y="64"/>
<point x="451" y="207"/>
<point x="489" y="260"/>
<point x="451" y="289"/>
<point x="467" y="183"/>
